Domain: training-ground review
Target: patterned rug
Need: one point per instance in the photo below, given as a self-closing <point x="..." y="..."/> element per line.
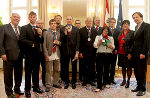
<point x="115" y="91"/>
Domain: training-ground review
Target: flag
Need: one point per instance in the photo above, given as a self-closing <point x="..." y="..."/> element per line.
<point x="106" y="16"/>
<point x="120" y="18"/>
<point x="1" y="21"/>
<point x="95" y="12"/>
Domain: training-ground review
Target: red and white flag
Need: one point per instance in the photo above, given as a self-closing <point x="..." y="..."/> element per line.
<point x="106" y="16"/>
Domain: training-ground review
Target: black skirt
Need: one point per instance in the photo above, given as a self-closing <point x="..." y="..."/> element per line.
<point x="123" y="61"/>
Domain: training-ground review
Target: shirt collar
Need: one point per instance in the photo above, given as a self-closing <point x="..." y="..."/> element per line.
<point x="13" y="25"/>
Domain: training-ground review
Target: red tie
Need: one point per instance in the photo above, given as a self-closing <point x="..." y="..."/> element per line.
<point x="54" y="46"/>
<point x="97" y="28"/>
<point x="16" y="32"/>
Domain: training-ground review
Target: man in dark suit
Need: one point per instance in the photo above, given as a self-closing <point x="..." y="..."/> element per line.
<point x="113" y="32"/>
<point x="31" y="37"/>
<point x="88" y="52"/>
<point x="97" y="25"/>
<point x="140" y="52"/>
<point x="69" y="37"/>
<point x="11" y="55"/>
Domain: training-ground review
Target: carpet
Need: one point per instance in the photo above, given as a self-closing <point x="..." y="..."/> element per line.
<point x="115" y="91"/>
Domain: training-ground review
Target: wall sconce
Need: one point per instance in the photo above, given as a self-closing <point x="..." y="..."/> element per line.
<point x="53" y="11"/>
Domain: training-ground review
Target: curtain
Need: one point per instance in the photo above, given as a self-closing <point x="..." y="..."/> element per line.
<point x="43" y="12"/>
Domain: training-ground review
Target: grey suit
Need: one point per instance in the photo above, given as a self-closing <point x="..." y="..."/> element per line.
<point x="9" y="45"/>
<point x="55" y="64"/>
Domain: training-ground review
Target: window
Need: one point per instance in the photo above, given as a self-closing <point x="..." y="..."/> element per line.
<point x="129" y="7"/>
<point x="23" y="8"/>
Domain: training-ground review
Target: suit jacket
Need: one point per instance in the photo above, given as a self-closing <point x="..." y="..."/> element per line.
<point x="9" y="44"/>
<point x="86" y="47"/>
<point x="141" y="40"/>
<point x="29" y="37"/>
<point x="48" y="43"/>
<point x="69" y="44"/>
<point x="128" y="41"/>
<point x="99" y="30"/>
<point x="116" y="33"/>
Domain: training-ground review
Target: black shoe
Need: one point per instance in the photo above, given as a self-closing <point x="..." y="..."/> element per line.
<point x="140" y="93"/>
<point x="47" y="89"/>
<point x="37" y="90"/>
<point x="84" y="84"/>
<point x="57" y="86"/>
<point x="11" y="96"/>
<point x="73" y="85"/>
<point x="113" y="82"/>
<point x="135" y="90"/>
<point x="66" y="86"/>
<point x="123" y="83"/>
<point x="28" y="94"/>
<point x="127" y="84"/>
<point x="92" y="84"/>
<point x="19" y="92"/>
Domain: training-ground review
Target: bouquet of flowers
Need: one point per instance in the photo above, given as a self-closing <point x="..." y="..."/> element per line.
<point x="1" y="21"/>
<point x="105" y="41"/>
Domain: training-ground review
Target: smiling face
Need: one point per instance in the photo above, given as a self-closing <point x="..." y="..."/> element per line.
<point x="58" y="19"/>
<point x="137" y="18"/>
<point x="32" y="19"/>
<point x="105" y="32"/>
<point x="15" y="19"/>
<point x="69" y="20"/>
<point x="125" y="26"/>
<point x="88" y="22"/>
<point x="97" y="21"/>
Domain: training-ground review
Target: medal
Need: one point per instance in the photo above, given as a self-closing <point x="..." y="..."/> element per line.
<point x="89" y="39"/>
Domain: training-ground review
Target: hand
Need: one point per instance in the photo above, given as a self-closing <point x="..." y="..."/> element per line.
<point x="129" y="56"/>
<point x="66" y="30"/>
<point x="39" y="31"/>
<point x="33" y="45"/>
<point x="47" y="58"/>
<point x="115" y="51"/>
<point x="76" y="56"/>
<point x="4" y="57"/>
<point x="142" y="56"/>
<point x="109" y="45"/>
<point x="80" y="55"/>
<point x="56" y="42"/>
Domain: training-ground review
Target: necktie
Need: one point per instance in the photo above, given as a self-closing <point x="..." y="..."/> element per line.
<point x="16" y="32"/>
<point x="136" y="28"/>
<point x="97" y="28"/>
<point x="54" y="38"/>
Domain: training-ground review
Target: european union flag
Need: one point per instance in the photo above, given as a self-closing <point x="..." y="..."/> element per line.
<point x="120" y="18"/>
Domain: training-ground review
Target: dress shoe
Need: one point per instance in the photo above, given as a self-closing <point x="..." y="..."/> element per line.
<point x="123" y="83"/>
<point x="66" y="86"/>
<point x="19" y="92"/>
<point x="113" y="82"/>
<point x="57" y="86"/>
<point x="73" y="85"/>
<point x="92" y="84"/>
<point x="127" y="84"/>
<point x="140" y="93"/>
<point x="47" y="89"/>
<point x="11" y="96"/>
<point x="28" y="94"/>
<point x="37" y="90"/>
<point x="135" y="90"/>
<point x="84" y="84"/>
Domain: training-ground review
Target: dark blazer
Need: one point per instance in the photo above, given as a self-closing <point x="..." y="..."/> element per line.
<point x="9" y="44"/>
<point x="141" y="40"/>
<point x="86" y="47"/>
<point x="116" y="34"/>
<point x="99" y="30"/>
<point x="128" y="41"/>
<point x="69" y="44"/>
<point x="28" y="37"/>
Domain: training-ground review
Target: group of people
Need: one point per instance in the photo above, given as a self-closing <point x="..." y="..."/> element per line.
<point x="58" y="46"/>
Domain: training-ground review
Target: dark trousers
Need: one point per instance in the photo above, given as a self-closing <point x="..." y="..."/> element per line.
<point x="62" y="64"/>
<point x="89" y="69"/>
<point x="32" y="65"/>
<point x="102" y="67"/>
<point x="66" y="69"/>
<point x="140" y="68"/>
<point x="112" y="66"/>
<point x="81" y="68"/>
<point x="42" y="61"/>
<point x="8" y="67"/>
